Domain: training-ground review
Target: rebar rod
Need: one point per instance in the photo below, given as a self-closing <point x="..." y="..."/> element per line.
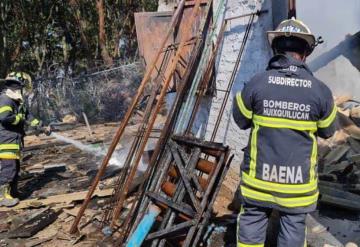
<point x="166" y="132"/>
<point x="232" y="78"/>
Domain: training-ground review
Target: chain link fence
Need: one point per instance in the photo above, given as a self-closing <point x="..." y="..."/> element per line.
<point x="103" y="94"/>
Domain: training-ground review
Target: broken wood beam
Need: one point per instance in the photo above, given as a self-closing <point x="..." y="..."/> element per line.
<point x="57" y="199"/>
<point x="339" y="197"/>
<point x="34" y="225"/>
<point x="336" y="154"/>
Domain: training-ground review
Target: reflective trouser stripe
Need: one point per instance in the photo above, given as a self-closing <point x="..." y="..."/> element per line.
<point x="249" y="245"/>
<point x="253" y="151"/>
<point x="238" y="224"/>
<point x="284" y="123"/>
<point x="327" y="121"/>
<point x="253" y="231"/>
<point x="290" y="202"/>
<point x="277" y="187"/>
<point x="9" y="156"/>
<point x="9" y="146"/>
<point x="240" y="103"/>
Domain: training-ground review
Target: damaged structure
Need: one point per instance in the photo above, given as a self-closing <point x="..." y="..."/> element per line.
<point x="168" y="178"/>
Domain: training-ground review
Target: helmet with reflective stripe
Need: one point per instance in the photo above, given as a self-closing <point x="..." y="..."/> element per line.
<point x="20" y="79"/>
<point x="295" y="30"/>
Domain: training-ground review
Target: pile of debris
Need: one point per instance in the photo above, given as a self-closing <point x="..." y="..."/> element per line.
<point x="339" y="159"/>
<point x="53" y="181"/>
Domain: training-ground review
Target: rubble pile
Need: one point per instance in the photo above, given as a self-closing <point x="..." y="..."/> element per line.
<point x="53" y="181"/>
<point x="339" y="159"/>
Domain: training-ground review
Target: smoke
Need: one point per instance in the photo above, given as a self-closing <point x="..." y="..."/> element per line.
<point x="337" y="60"/>
<point x="118" y="158"/>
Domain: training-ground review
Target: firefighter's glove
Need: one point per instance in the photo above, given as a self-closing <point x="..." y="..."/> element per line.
<point x="37" y="126"/>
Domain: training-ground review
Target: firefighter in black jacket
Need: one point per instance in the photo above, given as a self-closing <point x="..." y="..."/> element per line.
<point x="13" y="118"/>
<point x="286" y="108"/>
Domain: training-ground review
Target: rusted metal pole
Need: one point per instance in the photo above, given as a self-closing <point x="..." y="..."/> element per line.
<point x="154" y="115"/>
<point x="208" y="73"/>
<point x="292" y="9"/>
<point x="233" y="77"/>
<point x="123" y="124"/>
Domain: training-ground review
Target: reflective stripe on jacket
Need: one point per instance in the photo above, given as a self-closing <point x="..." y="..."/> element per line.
<point x="286" y="108"/>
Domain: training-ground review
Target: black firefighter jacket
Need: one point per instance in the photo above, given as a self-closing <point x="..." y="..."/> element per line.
<point x="286" y="108"/>
<point x="13" y="117"/>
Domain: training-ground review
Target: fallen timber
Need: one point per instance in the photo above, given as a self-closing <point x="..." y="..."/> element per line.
<point x="339" y="163"/>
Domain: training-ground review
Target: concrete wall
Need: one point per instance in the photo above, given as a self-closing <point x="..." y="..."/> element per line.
<point x="254" y="60"/>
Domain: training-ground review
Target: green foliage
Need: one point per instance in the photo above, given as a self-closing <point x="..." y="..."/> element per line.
<point x="38" y="35"/>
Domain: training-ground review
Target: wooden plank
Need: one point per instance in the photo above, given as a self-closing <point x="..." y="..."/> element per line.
<point x="57" y="199"/>
<point x="318" y="235"/>
<point x="354" y="158"/>
<point x="37" y="242"/>
<point x="339" y="197"/>
<point x="184" y="208"/>
<point x="336" y="154"/>
<point x="184" y="176"/>
<point x="171" y="230"/>
<point x="336" y="167"/>
<point x="355" y="144"/>
<point x="192" y="3"/>
<point x="34" y="225"/>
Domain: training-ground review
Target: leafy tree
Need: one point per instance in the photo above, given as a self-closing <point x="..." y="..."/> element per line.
<point x="40" y="36"/>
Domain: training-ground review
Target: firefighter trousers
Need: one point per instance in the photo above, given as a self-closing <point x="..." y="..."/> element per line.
<point x="252" y="224"/>
<point x="9" y="171"/>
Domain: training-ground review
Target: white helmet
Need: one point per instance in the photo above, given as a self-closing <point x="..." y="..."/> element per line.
<point x="293" y="28"/>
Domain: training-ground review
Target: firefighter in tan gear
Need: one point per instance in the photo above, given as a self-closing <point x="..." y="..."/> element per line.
<point x="286" y="108"/>
<point x="13" y="119"/>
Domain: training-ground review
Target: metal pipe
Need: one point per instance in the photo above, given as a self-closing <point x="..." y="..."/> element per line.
<point x="259" y="12"/>
<point x="123" y="124"/>
<point x="292" y="9"/>
<point x="142" y="230"/>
